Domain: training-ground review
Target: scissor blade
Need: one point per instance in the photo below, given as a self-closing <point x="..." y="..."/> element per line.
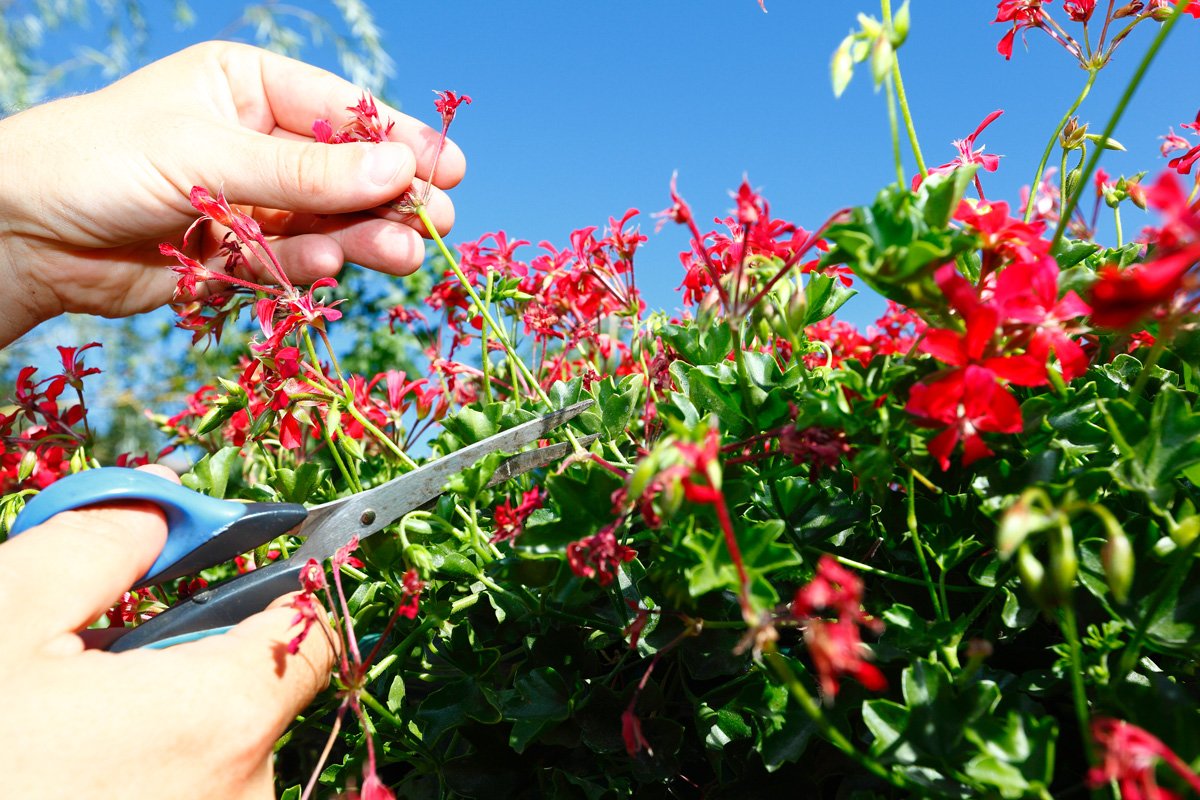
<point x="331" y="525"/>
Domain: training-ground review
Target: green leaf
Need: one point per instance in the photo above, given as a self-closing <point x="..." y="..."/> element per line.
<point x="295" y="485"/>
<point x="211" y="474"/>
<point x="395" y="698"/>
<point x="617" y="405"/>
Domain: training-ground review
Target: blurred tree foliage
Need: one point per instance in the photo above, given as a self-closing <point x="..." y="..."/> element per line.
<point x="51" y="47"/>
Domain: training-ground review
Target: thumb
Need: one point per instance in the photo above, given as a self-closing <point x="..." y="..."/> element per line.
<point x="311" y="177"/>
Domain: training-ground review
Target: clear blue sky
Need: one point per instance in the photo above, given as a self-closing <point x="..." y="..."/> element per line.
<point x="584" y="109"/>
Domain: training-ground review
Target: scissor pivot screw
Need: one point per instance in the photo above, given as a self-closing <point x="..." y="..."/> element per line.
<point x="367" y="517"/>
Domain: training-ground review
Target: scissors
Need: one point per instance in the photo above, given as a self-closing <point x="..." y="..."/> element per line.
<point x="204" y="531"/>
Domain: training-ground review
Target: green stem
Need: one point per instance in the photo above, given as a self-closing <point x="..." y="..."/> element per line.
<point x="371" y="428"/>
<point x="800" y="694"/>
<point x="1117" y="221"/>
<point x="902" y="96"/>
<point x="1070" y="630"/>
<point x="896" y="156"/>
<point x="1180" y="566"/>
<point x="891" y="576"/>
<point x="381" y="710"/>
<point x="486" y="361"/>
<point x="1041" y="168"/>
<point x="1111" y="127"/>
<point x="485" y="312"/>
<point x="920" y="548"/>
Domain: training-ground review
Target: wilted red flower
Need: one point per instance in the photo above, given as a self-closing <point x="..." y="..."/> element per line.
<point x="365" y="126"/>
<point x="1079" y="10"/>
<point x="631" y="732"/>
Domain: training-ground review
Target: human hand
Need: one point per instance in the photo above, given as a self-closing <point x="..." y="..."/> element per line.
<point x="197" y="719"/>
<point x="91" y="185"/>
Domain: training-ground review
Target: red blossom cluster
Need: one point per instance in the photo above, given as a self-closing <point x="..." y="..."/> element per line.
<point x="719" y="264"/>
<point x="1122" y="297"/>
<point x="352" y="667"/>
<point x="894" y="333"/>
<point x="835" y="644"/>
<point x="42" y="430"/>
<point x="561" y="296"/>
<point x="1007" y="328"/>
<point x="364" y="125"/>
<point x="1024" y="15"/>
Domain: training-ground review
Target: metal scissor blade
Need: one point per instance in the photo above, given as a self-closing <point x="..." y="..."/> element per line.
<point x="331" y="525"/>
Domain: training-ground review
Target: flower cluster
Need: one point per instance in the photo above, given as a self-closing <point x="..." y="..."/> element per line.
<point x="44" y="429"/>
<point x="1009" y="326"/>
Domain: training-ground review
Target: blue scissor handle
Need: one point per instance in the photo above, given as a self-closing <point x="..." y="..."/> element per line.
<point x="192" y="518"/>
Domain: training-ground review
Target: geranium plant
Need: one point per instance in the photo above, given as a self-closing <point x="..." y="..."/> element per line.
<point x="951" y="555"/>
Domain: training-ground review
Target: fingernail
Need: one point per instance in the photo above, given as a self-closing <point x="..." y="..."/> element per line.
<point x="384" y="162"/>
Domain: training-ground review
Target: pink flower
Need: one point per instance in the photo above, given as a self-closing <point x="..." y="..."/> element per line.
<point x="1129" y="755"/>
<point x="1027" y="292"/>
<point x="308" y="612"/>
<point x="365" y="126"/>
<point x="969" y="154"/>
<point x="679" y="211"/>
<point x="1022" y="14"/>
<point x="1079" y="10"/>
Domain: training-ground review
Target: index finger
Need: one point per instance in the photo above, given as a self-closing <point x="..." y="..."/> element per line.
<point x="296" y="95"/>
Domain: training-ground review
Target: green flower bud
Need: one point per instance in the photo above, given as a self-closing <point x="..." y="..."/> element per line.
<point x="1019" y="521"/>
<point x="1064" y="561"/>
<point x="1186" y="531"/>
<point x="28" y="462"/>
<point x="882" y="58"/>
<point x="900" y="25"/>
<point x="1033" y="574"/>
<point x="1117" y="557"/>
<point x="419" y="558"/>
<point x="842" y="67"/>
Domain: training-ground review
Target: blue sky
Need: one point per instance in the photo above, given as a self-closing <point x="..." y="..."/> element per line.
<point x="584" y="109"/>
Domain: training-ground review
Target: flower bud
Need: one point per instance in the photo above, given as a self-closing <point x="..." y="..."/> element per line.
<point x="1033" y="574"/>
<point x="643" y="473"/>
<point x="882" y="58"/>
<point x="1130" y="10"/>
<point x="419" y="558"/>
<point x="1018" y="522"/>
<point x="1183" y="533"/>
<point x="842" y="66"/>
<point x="28" y="463"/>
<point x="1064" y="561"/>
<point x="900" y="24"/>
<point x="1117" y="557"/>
<point x="1072" y="182"/>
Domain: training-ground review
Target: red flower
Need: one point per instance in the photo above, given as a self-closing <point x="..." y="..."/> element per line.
<point x="1079" y="10"/>
<point x="1129" y="755"/>
<point x="836" y="647"/>
<point x="366" y="126"/>
<point x="1027" y="292"/>
<point x="410" y="600"/>
<point x="968" y="402"/>
<point x="509" y="520"/>
<point x="447" y="104"/>
<point x="1022" y="14"/>
<point x="1121" y="297"/>
<point x="599" y="556"/>
<point x="679" y="211"/>
<point x="631" y="732"/>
